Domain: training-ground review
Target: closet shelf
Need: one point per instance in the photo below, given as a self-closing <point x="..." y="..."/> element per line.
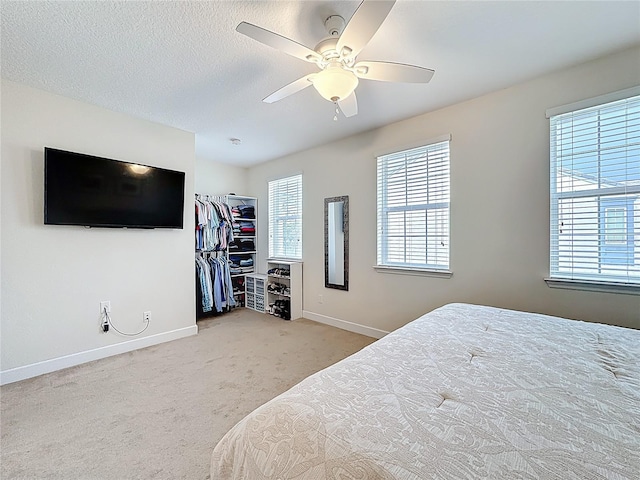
<point x="279" y="294"/>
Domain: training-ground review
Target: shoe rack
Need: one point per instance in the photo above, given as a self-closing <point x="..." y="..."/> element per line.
<point x="284" y="289"/>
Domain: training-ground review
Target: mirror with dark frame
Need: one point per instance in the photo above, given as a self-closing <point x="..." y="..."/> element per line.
<point x="336" y="242"/>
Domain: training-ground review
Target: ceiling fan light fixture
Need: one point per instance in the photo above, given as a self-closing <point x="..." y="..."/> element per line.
<point x="336" y="57"/>
<point x="335" y="83"/>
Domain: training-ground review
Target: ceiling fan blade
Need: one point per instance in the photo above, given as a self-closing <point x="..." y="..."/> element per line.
<point x="349" y="105"/>
<point x="278" y="42"/>
<point x="290" y="89"/>
<point x="393" y="72"/>
<point x="363" y="25"/>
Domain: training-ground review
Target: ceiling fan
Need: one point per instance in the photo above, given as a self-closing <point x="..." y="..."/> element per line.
<point x="336" y="55"/>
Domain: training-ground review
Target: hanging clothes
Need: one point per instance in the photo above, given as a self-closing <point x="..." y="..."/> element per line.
<point x="206" y="284"/>
<point x="215" y="284"/>
<point x="214" y="231"/>
<point x="214" y="237"/>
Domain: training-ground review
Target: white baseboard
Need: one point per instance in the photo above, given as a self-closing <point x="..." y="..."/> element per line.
<point x="48" y="366"/>
<point x="345" y="325"/>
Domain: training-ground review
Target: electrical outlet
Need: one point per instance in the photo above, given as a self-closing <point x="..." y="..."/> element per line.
<point x="146" y="317"/>
<point x="105" y="305"/>
<point x="320" y="298"/>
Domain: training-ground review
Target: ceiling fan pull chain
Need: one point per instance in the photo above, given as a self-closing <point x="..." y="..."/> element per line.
<point x="335" y="117"/>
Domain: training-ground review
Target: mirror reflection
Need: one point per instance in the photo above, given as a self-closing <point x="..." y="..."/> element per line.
<point x="336" y="242"/>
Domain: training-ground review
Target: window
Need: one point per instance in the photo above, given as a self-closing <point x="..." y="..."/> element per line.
<point x="285" y="218"/>
<point x="413" y="208"/>
<point x="595" y="193"/>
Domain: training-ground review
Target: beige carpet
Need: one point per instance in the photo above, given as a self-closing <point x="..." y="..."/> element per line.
<point x="157" y="413"/>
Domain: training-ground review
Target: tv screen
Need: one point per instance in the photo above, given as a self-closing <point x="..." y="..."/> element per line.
<point x="99" y="192"/>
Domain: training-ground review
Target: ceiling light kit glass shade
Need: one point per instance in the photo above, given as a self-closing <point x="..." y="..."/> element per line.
<point x="335" y="83"/>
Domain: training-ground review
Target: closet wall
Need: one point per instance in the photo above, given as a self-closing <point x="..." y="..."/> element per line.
<point x="216" y="178"/>
<point x="219" y="178"/>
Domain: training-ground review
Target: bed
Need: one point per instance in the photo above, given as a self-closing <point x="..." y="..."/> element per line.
<point x="463" y="392"/>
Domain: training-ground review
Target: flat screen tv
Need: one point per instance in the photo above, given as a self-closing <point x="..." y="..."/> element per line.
<point x="99" y="192"/>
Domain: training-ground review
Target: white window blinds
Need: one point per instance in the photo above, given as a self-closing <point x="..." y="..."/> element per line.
<point x="413" y="208"/>
<point x="595" y="193"/>
<point x="285" y="218"/>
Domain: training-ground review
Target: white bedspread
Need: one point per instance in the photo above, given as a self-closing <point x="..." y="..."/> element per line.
<point x="463" y="392"/>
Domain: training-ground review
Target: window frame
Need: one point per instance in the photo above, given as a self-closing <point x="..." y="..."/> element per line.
<point x="280" y="252"/>
<point x="383" y="263"/>
<point x="606" y="197"/>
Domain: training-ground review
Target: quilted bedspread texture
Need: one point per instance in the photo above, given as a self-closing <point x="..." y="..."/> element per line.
<point x="463" y="392"/>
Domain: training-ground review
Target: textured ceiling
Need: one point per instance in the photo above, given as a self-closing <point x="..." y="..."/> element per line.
<point x="183" y="64"/>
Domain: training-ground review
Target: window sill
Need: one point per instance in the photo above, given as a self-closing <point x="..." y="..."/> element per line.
<point x="593" y="286"/>
<point x="423" y="272"/>
<point x="284" y="259"/>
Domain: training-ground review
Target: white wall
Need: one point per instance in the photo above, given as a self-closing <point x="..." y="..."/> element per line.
<point x="215" y="178"/>
<point x="54" y="277"/>
<point x="499" y="206"/>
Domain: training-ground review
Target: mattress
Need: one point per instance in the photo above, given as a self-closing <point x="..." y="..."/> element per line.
<point x="465" y="391"/>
